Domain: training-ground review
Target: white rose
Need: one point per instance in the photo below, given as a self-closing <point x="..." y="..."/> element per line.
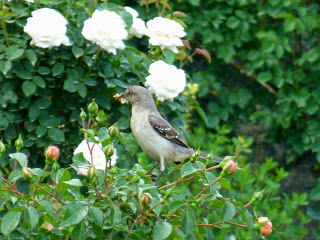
<point x="98" y="156"/>
<point x="138" y="28"/>
<point x="165" y="81"/>
<point x="107" y="29"/>
<point x="165" y="33"/>
<point x="47" y="28"/>
<point x="30" y="1"/>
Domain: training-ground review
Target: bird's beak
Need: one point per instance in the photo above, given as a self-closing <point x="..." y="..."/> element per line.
<point x="122" y="98"/>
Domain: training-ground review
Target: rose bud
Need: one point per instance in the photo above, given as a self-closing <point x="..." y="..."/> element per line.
<point x="92" y="173"/>
<point x="19" y="143"/>
<point x="83" y="115"/>
<point x="52" y="153"/>
<point x="257" y="197"/>
<point x="146" y="198"/>
<point x="228" y="168"/>
<point x="92" y="108"/>
<point x="265" y="225"/>
<point x="113" y="131"/>
<point x="109" y="150"/>
<point x="27" y="173"/>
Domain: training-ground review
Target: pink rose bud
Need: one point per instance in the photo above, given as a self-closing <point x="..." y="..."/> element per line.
<point x="146" y="198"/>
<point x="229" y="167"/>
<point x="266" y="228"/>
<point x="52" y="153"/>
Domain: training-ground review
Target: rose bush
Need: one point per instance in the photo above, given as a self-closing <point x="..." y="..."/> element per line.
<point x="41" y="93"/>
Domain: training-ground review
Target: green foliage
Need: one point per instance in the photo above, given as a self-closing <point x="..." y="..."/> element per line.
<point x="264" y="69"/>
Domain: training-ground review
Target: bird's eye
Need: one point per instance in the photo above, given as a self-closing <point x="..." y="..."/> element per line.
<point x="130" y="92"/>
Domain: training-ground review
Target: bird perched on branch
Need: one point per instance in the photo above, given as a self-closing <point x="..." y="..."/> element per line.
<point x="153" y="133"/>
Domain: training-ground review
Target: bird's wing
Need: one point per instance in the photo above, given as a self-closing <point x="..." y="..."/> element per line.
<point x="166" y="130"/>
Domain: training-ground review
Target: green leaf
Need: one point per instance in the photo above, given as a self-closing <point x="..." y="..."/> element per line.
<point x="202" y="114"/>
<point x="41" y="131"/>
<point x="47" y="206"/>
<point x="314" y="212"/>
<point x="96" y="216"/>
<point x="89" y="132"/>
<point x="9" y="222"/>
<point x="75" y="213"/>
<point x="28" y="88"/>
<point x="21" y="158"/>
<point x="33" y="112"/>
<point x="187" y="169"/>
<point x="289" y="24"/>
<point x="23" y="74"/>
<point x="74" y="182"/>
<point x="13" y="53"/>
<point x="82" y="90"/>
<point x="169" y="55"/>
<point x="32" y="57"/>
<point x="39" y="81"/>
<point x="130" y="143"/>
<point x="14" y="175"/>
<point x="77" y="52"/>
<point x="5" y="66"/>
<point x="161" y="230"/>
<point x="31" y="217"/>
<point x="69" y="86"/>
<point x="188" y="224"/>
<point x="264" y="77"/>
<point x="115" y="215"/>
<point x="57" y="69"/>
<point x="233" y="22"/>
<point x="228" y="211"/>
<point x="225" y="183"/>
<point x="79" y="232"/>
<point x="127" y="18"/>
<point x="56" y="135"/>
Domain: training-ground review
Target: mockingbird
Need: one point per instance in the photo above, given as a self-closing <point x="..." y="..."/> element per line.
<point x="153" y="133"/>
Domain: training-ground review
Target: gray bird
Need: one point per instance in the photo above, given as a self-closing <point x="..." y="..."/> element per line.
<point x="153" y="133"/>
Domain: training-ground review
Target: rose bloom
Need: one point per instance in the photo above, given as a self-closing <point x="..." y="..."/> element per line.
<point x="267" y="228"/>
<point x="165" y="33"/>
<point x="138" y="28"/>
<point x="98" y="156"/>
<point x="107" y="29"/>
<point x="165" y="81"/>
<point x="47" y="28"/>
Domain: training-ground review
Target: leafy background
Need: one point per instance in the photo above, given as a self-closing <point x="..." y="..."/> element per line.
<point x="262" y="84"/>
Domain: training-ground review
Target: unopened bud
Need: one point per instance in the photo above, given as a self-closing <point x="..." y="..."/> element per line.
<point x="83" y="115"/>
<point x="92" y="173"/>
<point x="2" y="147"/>
<point x="113" y="131"/>
<point x="19" y="143"/>
<point x="109" y="150"/>
<point x="27" y="173"/>
<point x="52" y="153"/>
<point x="264" y="225"/>
<point x="186" y="44"/>
<point x="228" y="168"/>
<point x="257" y="197"/>
<point x="146" y="198"/>
<point x="92" y="109"/>
<point x="55" y="166"/>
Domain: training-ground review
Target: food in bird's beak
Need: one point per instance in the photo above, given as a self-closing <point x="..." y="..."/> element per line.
<point x="120" y="98"/>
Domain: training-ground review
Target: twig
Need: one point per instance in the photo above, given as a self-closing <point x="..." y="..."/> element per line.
<point x="206" y="187"/>
<point x="218" y="223"/>
<point x="58" y="199"/>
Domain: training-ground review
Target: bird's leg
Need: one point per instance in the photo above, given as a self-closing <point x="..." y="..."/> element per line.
<point x="152" y="168"/>
<point x="162" y="168"/>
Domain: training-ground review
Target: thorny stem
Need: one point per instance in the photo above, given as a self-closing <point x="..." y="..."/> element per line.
<point x="218" y="223"/>
<point x="187" y="179"/>
<point x="52" y="195"/>
<point x="206" y="187"/>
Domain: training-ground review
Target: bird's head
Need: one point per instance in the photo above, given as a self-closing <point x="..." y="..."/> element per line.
<point x="134" y="94"/>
